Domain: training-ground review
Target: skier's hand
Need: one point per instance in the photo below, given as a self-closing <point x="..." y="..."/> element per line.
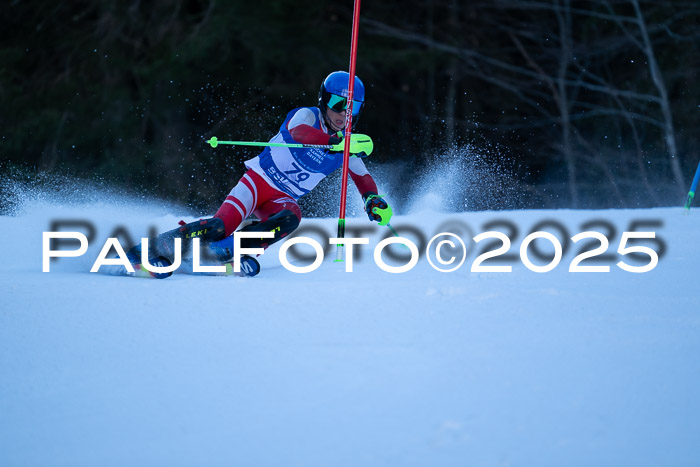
<point x="360" y="145"/>
<point x="377" y="208"/>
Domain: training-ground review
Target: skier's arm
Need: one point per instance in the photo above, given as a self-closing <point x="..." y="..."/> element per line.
<point x="376" y="207"/>
<point x="360" y="176"/>
<point x="309" y="135"/>
<point x="301" y="128"/>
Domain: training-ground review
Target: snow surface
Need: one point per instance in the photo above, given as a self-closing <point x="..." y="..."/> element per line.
<point x="350" y="369"/>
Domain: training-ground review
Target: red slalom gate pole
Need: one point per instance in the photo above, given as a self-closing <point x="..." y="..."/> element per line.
<point x="348" y="128"/>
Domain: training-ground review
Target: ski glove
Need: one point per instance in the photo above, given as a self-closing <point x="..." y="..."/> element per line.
<point x="360" y="145"/>
<point x="377" y="209"/>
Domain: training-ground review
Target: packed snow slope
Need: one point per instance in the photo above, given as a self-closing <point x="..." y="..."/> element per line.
<point x="357" y="368"/>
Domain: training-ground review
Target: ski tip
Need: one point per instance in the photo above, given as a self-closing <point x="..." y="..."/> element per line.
<point x="159" y="261"/>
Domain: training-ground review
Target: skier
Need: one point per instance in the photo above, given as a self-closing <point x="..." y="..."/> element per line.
<point x="279" y="176"/>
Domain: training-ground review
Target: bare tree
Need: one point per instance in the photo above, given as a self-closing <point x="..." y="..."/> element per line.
<point x="565" y="82"/>
<point x="657" y="78"/>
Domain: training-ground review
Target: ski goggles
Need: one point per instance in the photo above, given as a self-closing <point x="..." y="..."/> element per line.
<point x="339" y="103"/>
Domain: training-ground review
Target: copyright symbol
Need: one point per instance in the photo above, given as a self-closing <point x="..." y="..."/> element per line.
<point x="439" y="253"/>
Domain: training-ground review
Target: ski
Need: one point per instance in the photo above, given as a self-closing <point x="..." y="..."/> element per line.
<point x="219" y="254"/>
<point x="141" y="271"/>
<point x="249" y="267"/>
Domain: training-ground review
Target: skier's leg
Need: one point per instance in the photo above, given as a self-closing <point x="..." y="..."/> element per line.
<point x="280" y="215"/>
<point x="207" y="230"/>
<point x="241" y="201"/>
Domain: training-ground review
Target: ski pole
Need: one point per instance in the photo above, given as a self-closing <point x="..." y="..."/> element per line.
<point x="396" y="234"/>
<point x="387" y="212"/>
<point x="693" y="187"/>
<point x="214" y="142"/>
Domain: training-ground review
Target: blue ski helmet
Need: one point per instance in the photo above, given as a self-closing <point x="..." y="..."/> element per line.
<point x="334" y="94"/>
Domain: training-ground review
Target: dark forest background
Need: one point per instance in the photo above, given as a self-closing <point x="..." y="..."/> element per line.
<point x="576" y="103"/>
